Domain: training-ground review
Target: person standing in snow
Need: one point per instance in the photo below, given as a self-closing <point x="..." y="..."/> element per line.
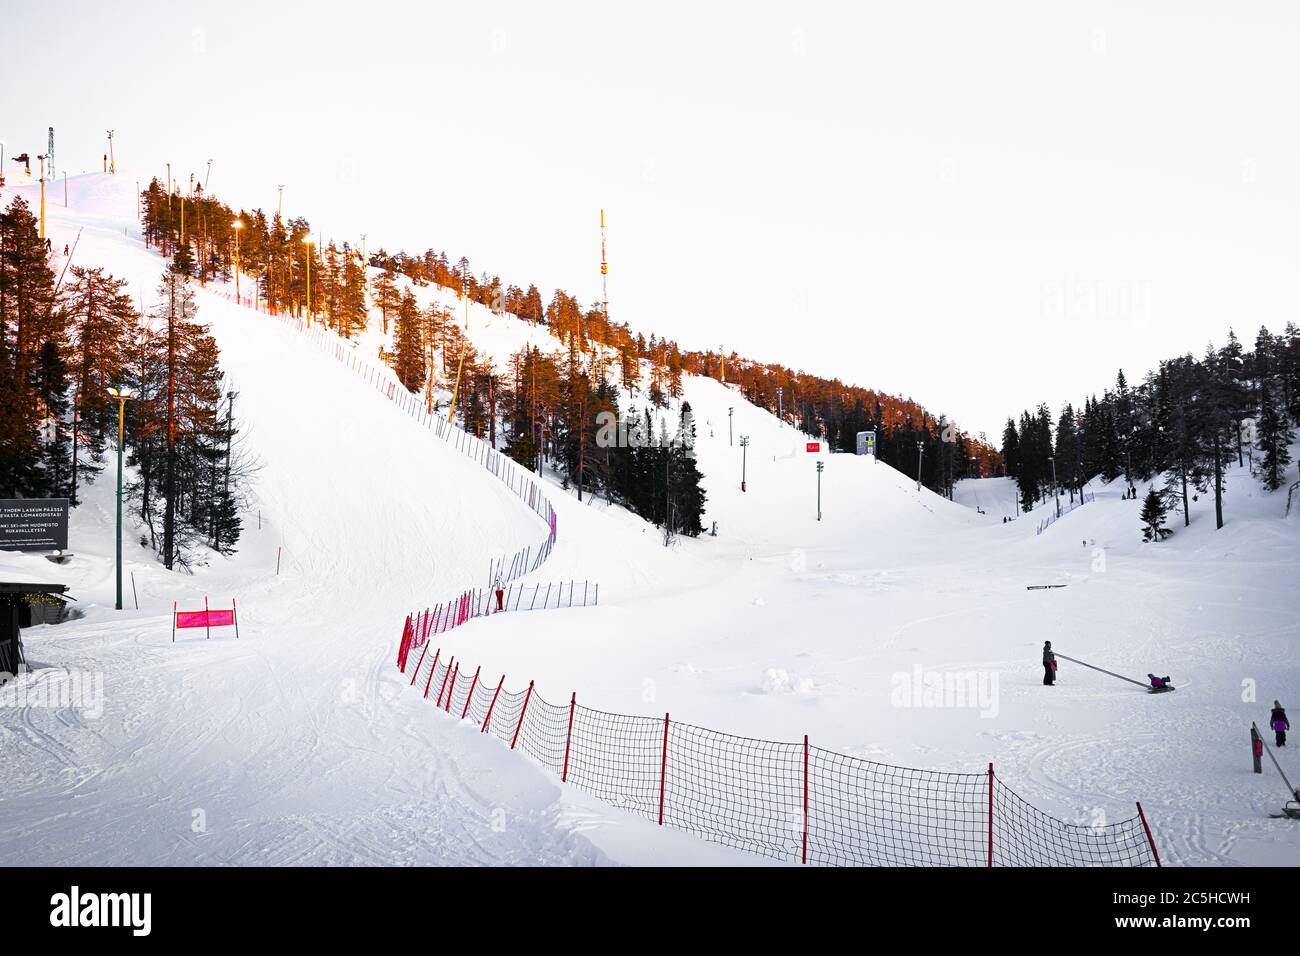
<point x="1277" y="720"/>
<point x="1049" y="664"/>
<point x="500" y="593"/>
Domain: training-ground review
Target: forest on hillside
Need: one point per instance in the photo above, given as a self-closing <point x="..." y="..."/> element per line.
<point x="70" y="335"/>
<point x="1181" y="425"/>
<point x="428" y="349"/>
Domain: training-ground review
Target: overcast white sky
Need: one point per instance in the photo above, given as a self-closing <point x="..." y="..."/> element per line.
<point x="980" y="205"/>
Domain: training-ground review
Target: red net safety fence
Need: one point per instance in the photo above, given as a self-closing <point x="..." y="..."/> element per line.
<point x="481" y="602"/>
<point x="786" y="801"/>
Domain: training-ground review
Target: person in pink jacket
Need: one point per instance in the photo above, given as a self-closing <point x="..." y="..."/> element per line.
<point x="1277" y="720"/>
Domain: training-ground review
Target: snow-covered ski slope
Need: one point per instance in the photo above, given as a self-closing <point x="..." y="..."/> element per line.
<point x="295" y="743"/>
<point x="302" y="743"/>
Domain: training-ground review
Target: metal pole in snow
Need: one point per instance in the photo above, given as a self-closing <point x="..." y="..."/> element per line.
<point x="1295" y="795"/>
<point x="1104" y="671"/>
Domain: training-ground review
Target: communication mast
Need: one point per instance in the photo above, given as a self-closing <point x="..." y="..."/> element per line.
<point x="49" y="152"/>
<point x="604" y="268"/>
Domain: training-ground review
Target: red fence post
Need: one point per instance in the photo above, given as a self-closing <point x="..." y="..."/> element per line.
<point x="451" y="692"/>
<point x="405" y="646"/>
<point x="663" y="772"/>
<point x="488" y="719"/>
<point x="433" y="669"/>
<point x="522" y="710"/>
<point x="1154" y="851"/>
<point x="805" y="798"/>
<point x="443" y="686"/>
<point x="470" y="696"/>
<point x="415" y="673"/>
<point x="990" y="813"/>
<point x="573" y="702"/>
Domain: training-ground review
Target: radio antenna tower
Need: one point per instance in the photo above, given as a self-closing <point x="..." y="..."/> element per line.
<point x="49" y="152"/>
<point x="604" y="268"/>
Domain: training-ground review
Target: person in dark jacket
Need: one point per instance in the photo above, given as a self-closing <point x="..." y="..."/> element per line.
<point x="1277" y="720"/>
<point x="1049" y="664"/>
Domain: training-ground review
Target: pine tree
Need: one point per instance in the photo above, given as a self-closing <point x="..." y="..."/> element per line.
<point x="1233" y="395"/>
<point x="1153" y="516"/>
<point x="1066" y="450"/>
<point x="353" y="311"/>
<point x="32" y="346"/>
<point x="1274" y="437"/>
<point x="1218" y="423"/>
<point x="100" y="316"/>
<point x="685" y="491"/>
<point x="409" y="350"/>
<point x="51" y="388"/>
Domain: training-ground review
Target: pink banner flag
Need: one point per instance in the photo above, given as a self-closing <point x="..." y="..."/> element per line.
<point x="205" y="618"/>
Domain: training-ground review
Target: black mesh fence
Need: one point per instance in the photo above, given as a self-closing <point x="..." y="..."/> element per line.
<point x="786" y="801"/>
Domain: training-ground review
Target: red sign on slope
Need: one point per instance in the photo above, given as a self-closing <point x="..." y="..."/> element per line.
<point x="207" y="619"/>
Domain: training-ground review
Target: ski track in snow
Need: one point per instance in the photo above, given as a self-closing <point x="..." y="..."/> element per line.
<point x="300" y="743"/>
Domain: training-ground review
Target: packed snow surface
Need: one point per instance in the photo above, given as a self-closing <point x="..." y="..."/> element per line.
<point x="299" y="742"/>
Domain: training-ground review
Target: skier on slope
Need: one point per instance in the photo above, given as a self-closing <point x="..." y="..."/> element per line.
<point x="1049" y="664"/>
<point x="500" y="593"/>
<point x="1277" y="720"/>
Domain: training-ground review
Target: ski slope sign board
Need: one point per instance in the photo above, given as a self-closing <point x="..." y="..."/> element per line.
<point x="33" y="524"/>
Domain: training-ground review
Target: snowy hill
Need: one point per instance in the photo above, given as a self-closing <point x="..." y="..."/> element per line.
<point x="300" y="742"/>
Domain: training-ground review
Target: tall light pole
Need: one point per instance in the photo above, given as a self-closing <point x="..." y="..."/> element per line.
<point x="123" y="396"/>
<point x="42" y="159"/>
<point x="279" y="208"/>
<point x="744" y="448"/>
<point x="820" y="466"/>
<point x="230" y="434"/>
<point x="780" y="407"/>
<point x="731" y="414"/>
<point x="464" y="346"/>
<point x="238" y="225"/>
<point x="306" y="241"/>
<point x="1055" y="487"/>
<point x="112" y="168"/>
<point x="920" y="453"/>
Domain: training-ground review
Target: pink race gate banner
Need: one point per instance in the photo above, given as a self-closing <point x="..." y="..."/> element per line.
<point x="205" y="618"/>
